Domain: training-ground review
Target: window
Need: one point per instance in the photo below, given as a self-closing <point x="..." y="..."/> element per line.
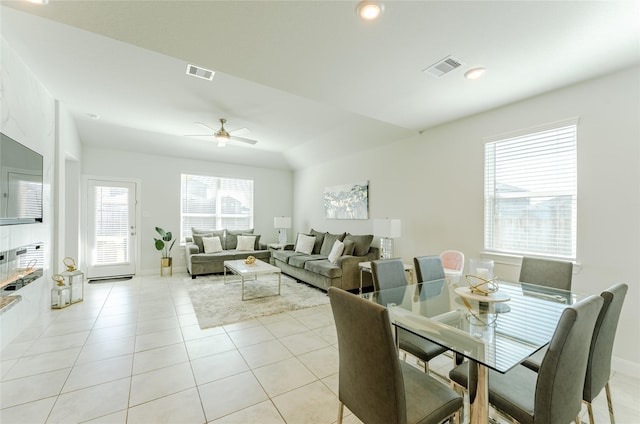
<point x="216" y="203"/>
<point x="530" y="193"/>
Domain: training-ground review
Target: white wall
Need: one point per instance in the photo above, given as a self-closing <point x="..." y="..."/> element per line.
<point x="160" y="194"/>
<point x="28" y="116"/>
<point x="434" y="184"/>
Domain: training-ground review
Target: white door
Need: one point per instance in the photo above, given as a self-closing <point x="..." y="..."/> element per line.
<point x="111" y="228"/>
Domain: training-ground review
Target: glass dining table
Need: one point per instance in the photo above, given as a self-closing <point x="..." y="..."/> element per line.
<point x="494" y="331"/>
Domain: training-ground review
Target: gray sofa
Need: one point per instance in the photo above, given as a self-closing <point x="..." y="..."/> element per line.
<point x="315" y="268"/>
<point x="201" y="263"/>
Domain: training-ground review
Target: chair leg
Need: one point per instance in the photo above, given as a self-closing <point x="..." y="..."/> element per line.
<point x="340" y="411"/>
<point x="590" y="411"/>
<point x="611" y="417"/>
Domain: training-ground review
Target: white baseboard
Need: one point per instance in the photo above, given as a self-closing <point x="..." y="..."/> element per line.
<point x="632" y="369"/>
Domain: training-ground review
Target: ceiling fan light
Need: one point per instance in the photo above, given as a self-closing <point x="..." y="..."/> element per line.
<point x="222" y="137"/>
<point x="221" y="143"/>
<point x="369" y="10"/>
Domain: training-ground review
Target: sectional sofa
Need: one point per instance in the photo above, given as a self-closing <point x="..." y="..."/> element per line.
<point x="316" y="269"/>
<point x="202" y="260"/>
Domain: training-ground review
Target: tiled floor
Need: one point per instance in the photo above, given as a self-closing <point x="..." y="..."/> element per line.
<point x="133" y="352"/>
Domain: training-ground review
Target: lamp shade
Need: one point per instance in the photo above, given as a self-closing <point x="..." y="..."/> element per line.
<point x="282" y="222"/>
<point x="390" y="228"/>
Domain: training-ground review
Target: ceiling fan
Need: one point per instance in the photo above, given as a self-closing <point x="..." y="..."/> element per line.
<point x="223" y="136"/>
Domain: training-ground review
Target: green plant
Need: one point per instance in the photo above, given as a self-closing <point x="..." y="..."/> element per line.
<point x="162" y="244"/>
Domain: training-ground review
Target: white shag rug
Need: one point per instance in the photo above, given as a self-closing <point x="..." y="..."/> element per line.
<point x="216" y="303"/>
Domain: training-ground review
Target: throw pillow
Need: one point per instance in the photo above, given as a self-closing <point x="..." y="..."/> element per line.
<point x="246" y="243"/>
<point x="213" y="233"/>
<point x="305" y="244"/>
<point x="319" y="238"/>
<point x="212" y="244"/>
<point x="257" y="236"/>
<point x="362" y="243"/>
<point x="336" y="251"/>
<point x="349" y="245"/>
<point x="329" y="241"/>
<point x="232" y="237"/>
<point x="197" y="239"/>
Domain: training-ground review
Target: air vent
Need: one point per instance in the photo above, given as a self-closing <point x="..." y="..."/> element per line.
<point x="443" y="66"/>
<point x="200" y="72"/>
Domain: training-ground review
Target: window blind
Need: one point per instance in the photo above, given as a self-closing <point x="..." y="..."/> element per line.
<point x="112" y="225"/>
<point x="215" y="203"/>
<point x="530" y="193"/>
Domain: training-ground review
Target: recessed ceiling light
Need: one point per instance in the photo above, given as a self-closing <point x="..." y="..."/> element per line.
<point x="369" y="10"/>
<point x="474" y="73"/>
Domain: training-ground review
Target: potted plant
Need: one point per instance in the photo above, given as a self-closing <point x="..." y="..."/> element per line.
<point x="164" y="244"/>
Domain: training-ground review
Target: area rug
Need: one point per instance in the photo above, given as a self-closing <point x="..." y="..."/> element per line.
<point x="217" y="303"/>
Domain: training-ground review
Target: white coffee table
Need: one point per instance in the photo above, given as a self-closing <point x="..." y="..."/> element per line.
<point x="243" y="270"/>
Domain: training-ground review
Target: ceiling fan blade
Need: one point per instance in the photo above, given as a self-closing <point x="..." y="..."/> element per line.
<point x="199" y="135"/>
<point x="244" y="140"/>
<point x="215" y="130"/>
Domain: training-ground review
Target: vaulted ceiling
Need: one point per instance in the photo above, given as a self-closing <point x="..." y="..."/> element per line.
<point x="308" y="79"/>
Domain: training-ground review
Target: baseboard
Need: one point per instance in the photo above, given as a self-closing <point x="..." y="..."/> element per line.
<point x="632" y="369"/>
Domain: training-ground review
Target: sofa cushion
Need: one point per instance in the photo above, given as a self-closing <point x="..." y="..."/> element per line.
<point x="284" y="255"/>
<point x="214" y="233"/>
<point x="319" y="239"/>
<point x="256" y="245"/>
<point x="231" y="238"/>
<point x="197" y="239"/>
<point x="305" y="243"/>
<point x="225" y="255"/>
<point x="246" y="243"/>
<point x="212" y="244"/>
<point x="336" y="251"/>
<point x="349" y="245"/>
<point x="328" y="242"/>
<point x="299" y="261"/>
<point x="362" y="243"/>
<point x="324" y="267"/>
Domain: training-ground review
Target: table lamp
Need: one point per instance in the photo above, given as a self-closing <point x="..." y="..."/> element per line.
<point x="282" y="223"/>
<point x="387" y="229"/>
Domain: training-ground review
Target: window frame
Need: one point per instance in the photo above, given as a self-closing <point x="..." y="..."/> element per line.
<point x="218" y="215"/>
<point x="491" y="204"/>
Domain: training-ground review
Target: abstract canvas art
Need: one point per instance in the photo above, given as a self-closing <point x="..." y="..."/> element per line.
<point x="347" y="201"/>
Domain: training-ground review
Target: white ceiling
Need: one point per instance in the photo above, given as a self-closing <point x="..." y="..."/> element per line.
<point x="308" y="78"/>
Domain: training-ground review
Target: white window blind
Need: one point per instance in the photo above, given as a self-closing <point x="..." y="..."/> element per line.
<point x="215" y="203"/>
<point x="530" y="193"/>
<point x="112" y="225"/>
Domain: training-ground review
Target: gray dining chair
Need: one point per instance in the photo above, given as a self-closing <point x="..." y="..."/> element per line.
<point x="554" y="394"/>
<point x="372" y="382"/>
<point x="600" y="352"/>
<point x="546" y="272"/>
<point x="388" y="274"/>
<point x="428" y="268"/>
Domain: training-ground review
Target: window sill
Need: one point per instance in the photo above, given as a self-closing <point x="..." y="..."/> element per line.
<point x="516" y="260"/>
